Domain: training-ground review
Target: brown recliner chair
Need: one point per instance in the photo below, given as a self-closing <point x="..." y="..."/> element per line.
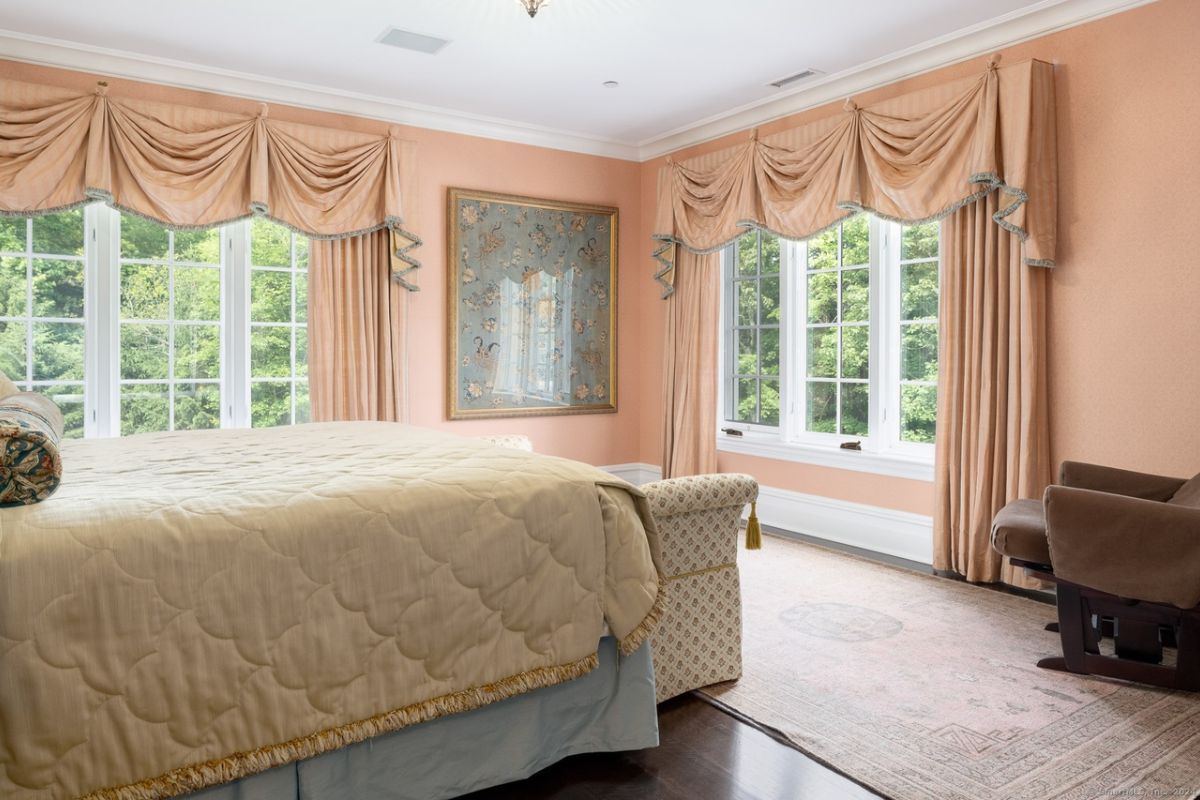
<point x="1124" y="550"/>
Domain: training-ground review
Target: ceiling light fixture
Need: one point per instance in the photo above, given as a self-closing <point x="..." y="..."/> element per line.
<point x="533" y="6"/>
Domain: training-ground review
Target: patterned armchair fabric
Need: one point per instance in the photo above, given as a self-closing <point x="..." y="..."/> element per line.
<point x="699" y="640"/>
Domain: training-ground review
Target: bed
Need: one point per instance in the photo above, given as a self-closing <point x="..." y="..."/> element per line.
<point x="303" y="611"/>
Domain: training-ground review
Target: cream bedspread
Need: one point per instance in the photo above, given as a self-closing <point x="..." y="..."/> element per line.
<point x="193" y="607"/>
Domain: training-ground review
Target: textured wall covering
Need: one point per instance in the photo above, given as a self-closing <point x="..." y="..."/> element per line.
<point x="1123" y="298"/>
<point x="446" y="160"/>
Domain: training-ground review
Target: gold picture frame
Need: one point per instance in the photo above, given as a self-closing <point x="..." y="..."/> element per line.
<point x="531" y="306"/>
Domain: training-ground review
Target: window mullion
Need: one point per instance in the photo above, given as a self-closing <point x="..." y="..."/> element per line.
<point x="890" y="329"/>
<point x="170" y="330"/>
<point x="29" y="353"/>
<point x="797" y="324"/>
<point x="104" y="292"/>
<point x="235" y="321"/>
<point x="877" y="375"/>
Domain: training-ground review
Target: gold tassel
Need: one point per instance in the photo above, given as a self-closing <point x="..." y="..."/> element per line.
<point x="753" y="531"/>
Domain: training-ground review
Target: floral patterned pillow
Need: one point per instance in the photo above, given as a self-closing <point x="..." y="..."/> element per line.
<point x="31" y="426"/>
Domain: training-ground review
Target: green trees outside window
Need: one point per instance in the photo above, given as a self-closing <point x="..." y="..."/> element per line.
<point x="837" y="282"/>
<point x="42" y="291"/>
<point x="756" y="330"/>
<point x="918" y="332"/>
<point x="170" y="328"/>
<point x="171" y="304"/>
<point x="278" y="326"/>
<point x="864" y="366"/>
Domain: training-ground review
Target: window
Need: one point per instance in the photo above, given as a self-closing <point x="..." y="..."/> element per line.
<point x="918" y="340"/>
<point x="42" y="302"/>
<point x="134" y="328"/>
<point x="831" y="344"/>
<point x="278" y="325"/>
<point x="837" y="332"/>
<point x="170" y="327"/>
<point x="754" y="335"/>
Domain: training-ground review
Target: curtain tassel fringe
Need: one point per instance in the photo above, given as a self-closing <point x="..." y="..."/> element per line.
<point x="753" y="531"/>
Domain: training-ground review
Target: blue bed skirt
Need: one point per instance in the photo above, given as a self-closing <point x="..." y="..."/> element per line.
<point x="611" y="708"/>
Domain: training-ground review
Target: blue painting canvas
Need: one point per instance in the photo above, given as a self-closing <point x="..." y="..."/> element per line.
<point x="531" y="306"/>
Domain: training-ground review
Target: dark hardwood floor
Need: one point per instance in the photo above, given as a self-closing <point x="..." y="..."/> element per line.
<point x="704" y="753"/>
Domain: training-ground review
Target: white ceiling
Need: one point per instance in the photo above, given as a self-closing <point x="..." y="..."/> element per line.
<point x="679" y="62"/>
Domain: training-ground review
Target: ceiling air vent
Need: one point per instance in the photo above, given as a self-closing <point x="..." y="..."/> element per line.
<point x="799" y="76"/>
<point x="407" y="40"/>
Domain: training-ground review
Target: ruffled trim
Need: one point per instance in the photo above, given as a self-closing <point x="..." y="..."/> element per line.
<point x="991" y="179"/>
<point x="631" y="641"/>
<point x="259" y="210"/>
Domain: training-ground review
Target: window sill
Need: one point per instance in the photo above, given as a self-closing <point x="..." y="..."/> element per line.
<point x="896" y="466"/>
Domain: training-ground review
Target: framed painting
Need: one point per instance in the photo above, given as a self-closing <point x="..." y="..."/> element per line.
<point x="532" y="306"/>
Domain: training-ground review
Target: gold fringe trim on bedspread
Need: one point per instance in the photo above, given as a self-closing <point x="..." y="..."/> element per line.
<point x="633" y="640"/>
<point x="240" y="765"/>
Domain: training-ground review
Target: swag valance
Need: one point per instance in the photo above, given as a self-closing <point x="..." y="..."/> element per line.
<point x="197" y="168"/>
<point x="915" y="158"/>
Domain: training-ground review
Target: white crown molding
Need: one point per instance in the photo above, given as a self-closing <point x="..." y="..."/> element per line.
<point x="30" y="49"/>
<point x="1018" y="26"/>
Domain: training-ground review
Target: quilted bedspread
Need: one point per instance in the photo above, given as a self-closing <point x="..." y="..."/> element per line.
<point x="193" y="607"/>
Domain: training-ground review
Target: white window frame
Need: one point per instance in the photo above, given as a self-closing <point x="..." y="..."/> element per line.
<point x="102" y="332"/>
<point x="729" y="345"/>
<point x="883" y="452"/>
<point x="28" y="319"/>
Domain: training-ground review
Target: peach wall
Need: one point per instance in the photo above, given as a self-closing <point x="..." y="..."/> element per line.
<point x="446" y="160"/>
<point x="1125" y="299"/>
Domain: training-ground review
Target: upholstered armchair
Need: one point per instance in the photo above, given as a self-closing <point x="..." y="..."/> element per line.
<point x="699" y="640"/>
<point x="1124" y="550"/>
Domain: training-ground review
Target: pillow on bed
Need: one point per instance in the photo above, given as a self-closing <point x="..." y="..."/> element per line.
<point x="31" y="426"/>
<point x="7" y="387"/>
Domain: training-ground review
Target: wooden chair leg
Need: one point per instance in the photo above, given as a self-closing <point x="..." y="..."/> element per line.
<point x="1187" y="664"/>
<point x="1074" y="630"/>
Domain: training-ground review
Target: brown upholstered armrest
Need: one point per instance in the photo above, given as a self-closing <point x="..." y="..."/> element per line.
<point x="1127" y="546"/>
<point x="1118" y="481"/>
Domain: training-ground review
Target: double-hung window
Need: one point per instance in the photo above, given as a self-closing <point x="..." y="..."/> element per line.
<point x="830" y="351"/>
<point x="133" y="328"/>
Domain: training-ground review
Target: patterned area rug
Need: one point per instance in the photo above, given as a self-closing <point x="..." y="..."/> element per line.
<point x="923" y="688"/>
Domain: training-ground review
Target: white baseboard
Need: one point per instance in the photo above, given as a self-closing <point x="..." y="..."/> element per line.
<point x="882" y="530"/>
<point x="635" y="473"/>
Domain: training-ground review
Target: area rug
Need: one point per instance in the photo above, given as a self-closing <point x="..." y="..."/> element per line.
<point x="924" y="688"/>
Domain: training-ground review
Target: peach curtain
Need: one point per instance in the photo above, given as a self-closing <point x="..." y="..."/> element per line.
<point x="914" y="158"/>
<point x="355" y="331"/>
<point x="979" y="151"/>
<point x="993" y="438"/>
<point x="690" y="368"/>
<point x="195" y="167"/>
